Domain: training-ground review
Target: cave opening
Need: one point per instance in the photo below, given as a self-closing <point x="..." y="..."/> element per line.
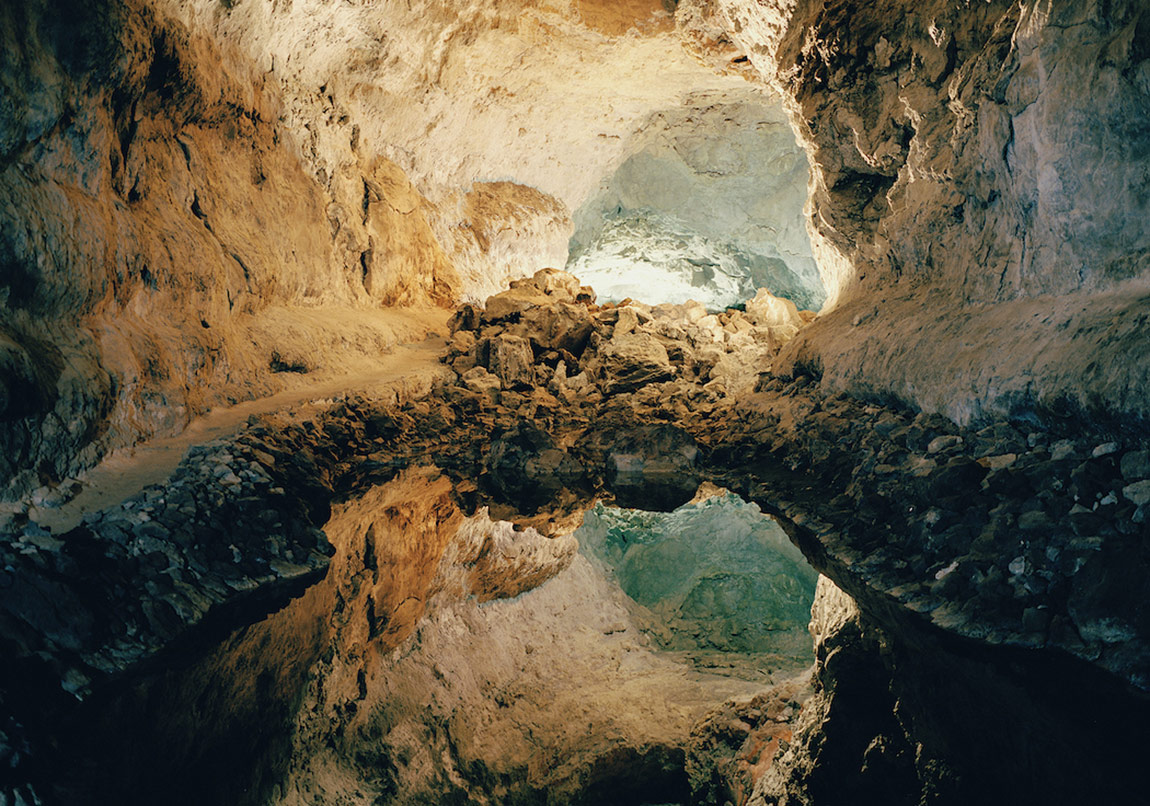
<point x="708" y="205"/>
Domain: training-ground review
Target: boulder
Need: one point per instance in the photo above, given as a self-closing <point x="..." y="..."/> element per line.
<point x="559" y="326"/>
<point x="631" y="360"/>
<point x="780" y="316"/>
<point x="512" y="360"/>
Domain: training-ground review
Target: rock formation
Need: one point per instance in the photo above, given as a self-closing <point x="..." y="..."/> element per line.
<point x="375" y="597"/>
<point x="979" y="181"/>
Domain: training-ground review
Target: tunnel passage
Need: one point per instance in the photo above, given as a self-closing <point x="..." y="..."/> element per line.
<point x="877" y="496"/>
<point x="707" y="206"/>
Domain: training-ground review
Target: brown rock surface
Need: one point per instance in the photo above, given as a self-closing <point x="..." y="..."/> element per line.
<point x="202" y="202"/>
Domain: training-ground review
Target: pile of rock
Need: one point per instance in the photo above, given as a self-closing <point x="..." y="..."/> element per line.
<point x="545" y="332"/>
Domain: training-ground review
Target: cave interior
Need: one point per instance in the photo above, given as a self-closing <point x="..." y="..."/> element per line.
<point x="574" y="402"/>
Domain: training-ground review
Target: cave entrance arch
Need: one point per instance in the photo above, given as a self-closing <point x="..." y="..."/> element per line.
<point x="707" y="205"/>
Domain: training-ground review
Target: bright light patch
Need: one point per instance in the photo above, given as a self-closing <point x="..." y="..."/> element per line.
<point x="653" y="258"/>
<point x="708" y="206"/>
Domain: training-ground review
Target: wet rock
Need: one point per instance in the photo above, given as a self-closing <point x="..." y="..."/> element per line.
<point x="1135" y="465"/>
<point x="526" y="468"/>
<point x="1104" y="449"/>
<point x="1137" y="493"/>
<point x="1063" y="449"/>
<point x="943" y="443"/>
<point x="958" y="476"/>
<point x="652" y="467"/>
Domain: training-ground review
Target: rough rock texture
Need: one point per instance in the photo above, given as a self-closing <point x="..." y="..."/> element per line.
<point x="847" y="742"/>
<point x="201" y="201"/>
<point x="979" y="183"/>
<point x="736" y="744"/>
<point x="997" y="573"/>
<point x="504" y="115"/>
<point x="161" y="236"/>
<point x="708" y="205"/>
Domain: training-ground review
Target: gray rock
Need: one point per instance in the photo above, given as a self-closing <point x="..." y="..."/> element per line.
<point x="1137" y="493"/>
<point x="1062" y="449"/>
<point x="1135" y="465"/>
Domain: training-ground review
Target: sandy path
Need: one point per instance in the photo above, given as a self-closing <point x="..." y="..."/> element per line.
<point x="124" y="473"/>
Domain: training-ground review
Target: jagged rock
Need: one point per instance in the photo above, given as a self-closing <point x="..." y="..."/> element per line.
<point x="478" y="379"/>
<point x="512" y="361"/>
<point x="513" y="302"/>
<point x="182" y="215"/>
<point x="545" y="287"/>
<point x="737" y="372"/>
<point x="465" y="319"/>
<point x="1137" y="493"/>
<point x="778" y="315"/>
<point x="735" y="745"/>
<point x="845" y="738"/>
<point x="560" y="326"/>
<point x="630" y="360"/>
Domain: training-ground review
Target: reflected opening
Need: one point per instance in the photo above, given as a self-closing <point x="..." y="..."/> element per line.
<point x="714" y="582"/>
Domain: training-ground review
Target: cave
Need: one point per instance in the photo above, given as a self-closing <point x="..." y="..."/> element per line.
<point x="561" y="402"/>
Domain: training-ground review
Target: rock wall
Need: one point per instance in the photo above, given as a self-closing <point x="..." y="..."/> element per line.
<point x="203" y="201"/>
<point x="997" y="573"/>
<point x="978" y="194"/>
<point x="198" y="198"/>
<point x="708" y="205"/>
<point x="159" y="229"/>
